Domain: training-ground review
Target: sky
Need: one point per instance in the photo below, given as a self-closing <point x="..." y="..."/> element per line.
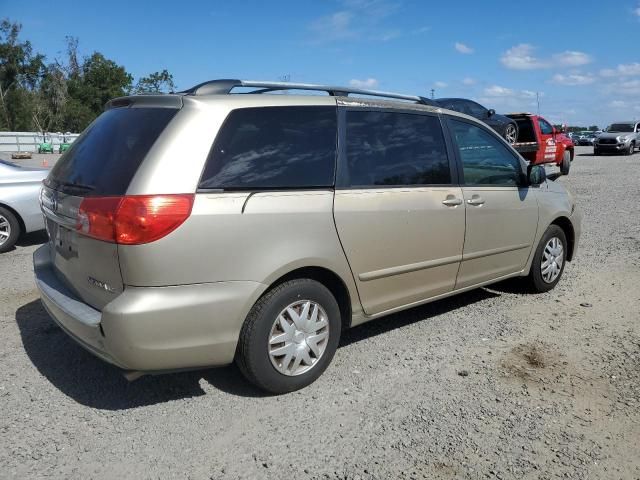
<point x="581" y="59"/>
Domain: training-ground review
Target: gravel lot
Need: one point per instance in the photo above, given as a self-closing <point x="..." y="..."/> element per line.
<point x="492" y="383"/>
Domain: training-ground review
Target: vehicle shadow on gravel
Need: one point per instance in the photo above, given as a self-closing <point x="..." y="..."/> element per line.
<point x="94" y="383"/>
<point x="33" y="238"/>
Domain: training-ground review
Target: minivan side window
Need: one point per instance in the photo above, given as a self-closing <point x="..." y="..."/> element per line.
<point x="394" y="149"/>
<point x="485" y="160"/>
<point x="273" y="148"/>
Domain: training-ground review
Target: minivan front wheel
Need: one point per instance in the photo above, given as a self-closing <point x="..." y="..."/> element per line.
<point x="549" y="260"/>
<point x="290" y="336"/>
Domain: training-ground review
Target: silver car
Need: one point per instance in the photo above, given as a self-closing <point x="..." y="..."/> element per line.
<point x="619" y="137"/>
<point x="194" y="229"/>
<point x="19" y="205"/>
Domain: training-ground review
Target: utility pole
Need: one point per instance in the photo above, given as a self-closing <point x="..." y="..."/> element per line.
<point x="538" y="101"/>
<point x="433" y="92"/>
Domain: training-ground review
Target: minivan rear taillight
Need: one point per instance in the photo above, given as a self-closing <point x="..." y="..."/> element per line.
<point x="132" y="219"/>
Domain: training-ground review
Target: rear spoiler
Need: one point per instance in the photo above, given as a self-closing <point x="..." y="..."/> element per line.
<point x="145" y="101"/>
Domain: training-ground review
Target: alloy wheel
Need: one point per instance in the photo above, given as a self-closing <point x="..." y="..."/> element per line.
<point x="510" y="134"/>
<point x="5" y="229"/>
<point x="298" y="338"/>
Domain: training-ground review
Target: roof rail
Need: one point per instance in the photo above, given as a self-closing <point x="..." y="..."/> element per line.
<point x="224" y="87"/>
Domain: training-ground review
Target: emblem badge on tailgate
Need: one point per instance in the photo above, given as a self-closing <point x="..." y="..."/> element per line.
<point x="101" y="285"/>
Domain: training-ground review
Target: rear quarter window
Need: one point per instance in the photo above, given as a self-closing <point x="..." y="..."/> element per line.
<point x="104" y="159"/>
<point x="273" y="148"/>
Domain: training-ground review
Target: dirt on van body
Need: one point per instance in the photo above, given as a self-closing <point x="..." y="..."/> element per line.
<point x="491" y="383"/>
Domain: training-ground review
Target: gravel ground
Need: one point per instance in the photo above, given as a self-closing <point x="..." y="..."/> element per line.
<point x="492" y="383"/>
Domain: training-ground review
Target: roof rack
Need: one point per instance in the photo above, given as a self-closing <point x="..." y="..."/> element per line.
<point x="224" y="87"/>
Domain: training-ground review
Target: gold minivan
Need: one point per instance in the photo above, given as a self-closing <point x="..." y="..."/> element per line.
<point x="232" y="222"/>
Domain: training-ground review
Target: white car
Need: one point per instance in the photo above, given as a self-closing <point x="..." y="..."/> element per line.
<point x="19" y="202"/>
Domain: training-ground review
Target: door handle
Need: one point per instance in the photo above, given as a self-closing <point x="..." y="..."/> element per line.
<point x="476" y="200"/>
<point x="452" y="202"/>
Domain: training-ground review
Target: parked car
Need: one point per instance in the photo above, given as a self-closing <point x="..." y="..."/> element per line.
<point x="19" y="205"/>
<point x="188" y="230"/>
<point x="620" y="137"/>
<point x="587" y="139"/>
<point x="539" y="142"/>
<point x="501" y="124"/>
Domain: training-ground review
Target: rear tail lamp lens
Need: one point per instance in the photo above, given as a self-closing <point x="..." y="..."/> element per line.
<point x="133" y="219"/>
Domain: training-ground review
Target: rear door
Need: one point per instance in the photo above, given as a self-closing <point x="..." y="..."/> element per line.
<point x="501" y="213"/>
<point x="100" y="163"/>
<point x="398" y="210"/>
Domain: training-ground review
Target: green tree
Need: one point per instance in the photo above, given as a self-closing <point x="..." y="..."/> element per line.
<point x="157" y="82"/>
<point x="20" y="73"/>
<point x="98" y="81"/>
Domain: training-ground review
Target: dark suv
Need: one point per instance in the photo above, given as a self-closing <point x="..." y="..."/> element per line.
<point x="505" y="126"/>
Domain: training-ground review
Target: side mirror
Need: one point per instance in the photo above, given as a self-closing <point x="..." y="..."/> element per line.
<point x="536" y="174"/>
<point x="491" y="112"/>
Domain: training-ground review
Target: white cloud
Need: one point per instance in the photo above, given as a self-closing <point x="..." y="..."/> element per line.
<point x="571" y="58"/>
<point x="573" y="79"/>
<point x="522" y="57"/>
<point x="617" y="104"/>
<point x="421" y="30"/>
<point x="337" y="26"/>
<point x="468" y="81"/>
<point x="622" y="70"/>
<point x="439" y="84"/>
<point x="462" y="48"/>
<point x="356" y="20"/>
<point x="368" y="83"/>
<point x="498" y="91"/>
<point x="636" y="11"/>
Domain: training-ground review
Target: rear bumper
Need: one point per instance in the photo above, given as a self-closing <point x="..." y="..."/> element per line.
<point x="152" y="328"/>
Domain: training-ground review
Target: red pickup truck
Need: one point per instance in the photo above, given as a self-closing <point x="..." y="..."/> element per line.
<point x="540" y="142"/>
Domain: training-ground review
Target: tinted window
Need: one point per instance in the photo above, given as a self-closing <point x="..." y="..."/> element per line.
<point x="274" y="147"/>
<point x="395" y="149"/>
<point x="103" y="160"/>
<point x="545" y="127"/>
<point x="477" y="110"/>
<point x="485" y="160"/>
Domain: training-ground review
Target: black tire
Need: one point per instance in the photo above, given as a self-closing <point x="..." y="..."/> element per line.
<point x="252" y="355"/>
<point x="629" y="150"/>
<point x="596" y="152"/>
<point x="565" y="166"/>
<point x="535" y="279"/>
<point x="8" y="224"/>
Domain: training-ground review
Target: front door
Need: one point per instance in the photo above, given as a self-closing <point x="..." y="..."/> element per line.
<point x="548" y="150"/>
<point x="398" y="212"/>
<point x="501" y="213"/>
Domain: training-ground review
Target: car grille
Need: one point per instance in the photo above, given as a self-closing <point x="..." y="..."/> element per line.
<point x="608" y="141"/>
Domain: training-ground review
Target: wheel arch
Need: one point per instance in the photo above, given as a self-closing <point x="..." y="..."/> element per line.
<point x="331" y="280"/>
<point x="567" y="227"/>
<point x="23" y="227"/>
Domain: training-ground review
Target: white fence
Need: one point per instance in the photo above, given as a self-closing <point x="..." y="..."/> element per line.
<point x="29" y="141"/>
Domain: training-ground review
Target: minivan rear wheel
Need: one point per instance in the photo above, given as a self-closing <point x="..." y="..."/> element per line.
<point x="549" y="260"/>
<point x="290" y="336"/>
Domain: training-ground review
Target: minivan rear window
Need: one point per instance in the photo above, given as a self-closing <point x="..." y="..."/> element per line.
<point x="273" y="148"/>
<point x="104" y="159"/>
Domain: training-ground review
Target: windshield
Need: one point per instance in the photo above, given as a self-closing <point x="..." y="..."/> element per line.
<point x="620" y="127"/>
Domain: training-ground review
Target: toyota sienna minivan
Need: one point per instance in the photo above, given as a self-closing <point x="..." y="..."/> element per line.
<point x="231" y="223"/>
